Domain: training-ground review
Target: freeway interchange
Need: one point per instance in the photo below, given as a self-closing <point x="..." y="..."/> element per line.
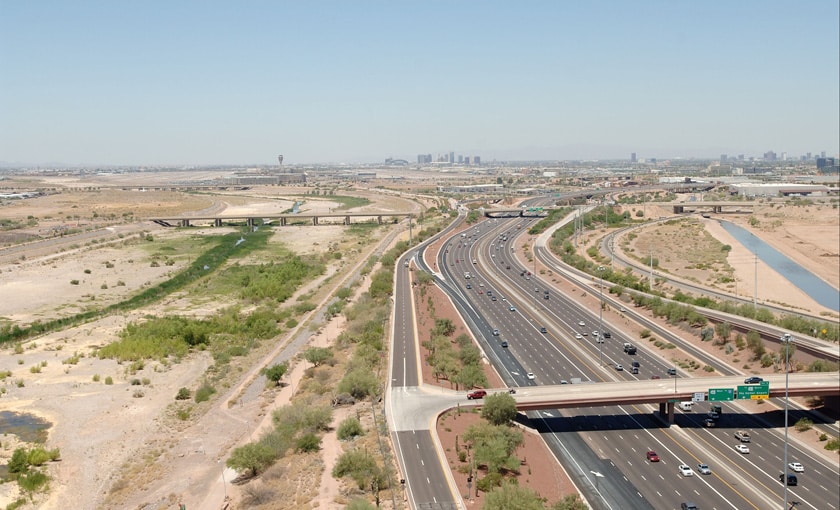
<point x="546" y="333"/>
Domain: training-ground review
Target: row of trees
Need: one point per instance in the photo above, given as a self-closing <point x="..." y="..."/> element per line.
<point x="462" y="366"/>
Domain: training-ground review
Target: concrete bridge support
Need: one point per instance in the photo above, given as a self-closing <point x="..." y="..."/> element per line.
<point x="666" y="409"/>
<point x="185" y="222"/>
<point x="315" y="220"/>
<point x="347" y="220"/>
<point x="217" y="222"/>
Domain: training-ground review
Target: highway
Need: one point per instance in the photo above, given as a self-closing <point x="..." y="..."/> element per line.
<point x="621" y="434"/>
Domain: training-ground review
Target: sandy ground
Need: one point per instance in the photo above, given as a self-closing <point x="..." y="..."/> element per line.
<point x="104" y="430"/>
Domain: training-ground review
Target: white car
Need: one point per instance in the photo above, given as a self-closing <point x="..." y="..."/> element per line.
<point x="685" y="470"/>
<point x="581" y="323"/>
<point x="619" y="367"/>
<point x="530" y="376"/>
<point x="704" y="469"/>
<point x="742" y="448"/>
<point x="795" y="466"/>
<point x="578" y="336"/>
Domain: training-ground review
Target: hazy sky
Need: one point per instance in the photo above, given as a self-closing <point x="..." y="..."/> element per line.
<point x="200" y="82"/>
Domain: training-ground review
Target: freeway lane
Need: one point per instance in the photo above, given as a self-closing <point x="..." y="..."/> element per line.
<point x="525" y="330"/>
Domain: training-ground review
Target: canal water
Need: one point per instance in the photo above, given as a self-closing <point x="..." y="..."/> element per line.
<point x="817" y="289"/>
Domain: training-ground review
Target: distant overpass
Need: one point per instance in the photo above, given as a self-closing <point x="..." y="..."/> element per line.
<point x="666" y="391"/>
<point x="529" y="212"/>
<point x="278" y="219"/>
<point x="716" y="207"/>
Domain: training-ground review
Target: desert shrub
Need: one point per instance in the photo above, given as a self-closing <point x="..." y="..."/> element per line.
<point x="109" y="380"/>
<point x="135" y="382"/>
<point x="33" y="482"/>
<point x="349" y="428"/>
<point x="38" y="457"/>
<point x="645" y="333"/>
<point x="95" y="377"/>
<point x="804" y="424"/>
<point x="204" y="393"/>
<point x="19" y="463"/>
<point x="833" y="445"/>
<point x="308" y="442"/>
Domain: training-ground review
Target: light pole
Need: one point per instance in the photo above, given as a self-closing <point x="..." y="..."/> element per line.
<point x="601" y="315"/>
<point x="786" y="341"/>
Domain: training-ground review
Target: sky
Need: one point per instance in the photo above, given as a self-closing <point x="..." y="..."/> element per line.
<point x="219" y="82"/>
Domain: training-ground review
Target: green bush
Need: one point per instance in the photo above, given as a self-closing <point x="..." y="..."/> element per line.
<point x="804" y="424"/>
<point x="204" y="393"/>
<point x="349" y="428"/>
<point x="308" y="442"/>
<point x="109" y="380"/>
<point x="33" y="482"/>
<point x="832" y="445"/>
<point x="183" y="394"/>
<point x="38" y="457"/>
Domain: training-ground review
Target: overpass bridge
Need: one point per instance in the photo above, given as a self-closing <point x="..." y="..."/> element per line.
<point x="666" y="392"/>
<point x="715" y="207"/>
<point x="280" y="219"/>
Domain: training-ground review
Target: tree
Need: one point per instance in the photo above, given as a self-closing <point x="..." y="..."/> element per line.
<point x="359" y="466"/>
<point x="444" y="327"/>
<point x="510" y="496"/>
<point x="276" y="372"/>
<point x="349" y="428"/>
<point x="471" y="376"/>
<point x="499" y="408"/>
<point x="723" y="329"/>
<point x="570" y="502"/>
<point x="360" y="383"/>
<point x="493" y="446"/>
<point x="317" y="355"/>
<point x="251" y="457"/>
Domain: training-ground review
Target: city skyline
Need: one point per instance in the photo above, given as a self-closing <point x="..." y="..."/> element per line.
<point x="196" y="83"/>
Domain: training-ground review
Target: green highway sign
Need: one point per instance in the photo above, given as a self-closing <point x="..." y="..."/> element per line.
<point x="721" y="394"/>
<point x="754" y="391"/>
<point x="673" y="400"/>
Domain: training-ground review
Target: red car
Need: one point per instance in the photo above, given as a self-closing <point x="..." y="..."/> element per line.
<point x="476" y="394"/>
<point x="652" y="456"/>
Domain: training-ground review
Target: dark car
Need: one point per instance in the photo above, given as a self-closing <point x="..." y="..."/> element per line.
<point x="607" y="334"/>
<point x="688" y="506"/>
<point x="543" y="330"/>
<point x="791" y="479"/>
<point x="504" y="343"/>
<point x="672" y="371"/>
<point x="753" y="380"/>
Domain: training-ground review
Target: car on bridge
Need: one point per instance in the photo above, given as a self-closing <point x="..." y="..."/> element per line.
<point x="753" y="380"/>
<point x="476" y="394"/>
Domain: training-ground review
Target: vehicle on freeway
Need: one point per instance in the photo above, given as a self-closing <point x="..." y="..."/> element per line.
<point x="530" y="376"/>
<point x="685" y="470"/>
<point x="795" y="466"/>
<point x="584" y="333"/>
<point x="607" y="334"/>
<point x="512" y="308"/>
<point x="480" y="291"/>
<point x="595" y="333"/>
<point x="753" y="380"/>
<point x="476" y="394"/>
<point x="672" y="371"/>
<point x="704" y="469"/>
<point x="598" y="339"/>
<point x="622" y="309"/>
<point x="655" y="377"/>
<point x="652" y="456"/>
<point x="713" y="415"/>
<point x="742" y="435"/>
<point x="563" y="381"/>
<point x="635" y="364"/>
<point x="688" y="506"/>
<point x="619" y="367"/>
<point x="791" y="479"/>
<point x="495" y="332"/>
<point x="581" y="323"/>
<point x="504" y="343"/>
<point x="742" y="448"/>
<point x="543" y="330"/>
<point x="492" y="298"/>
<point x="710" y="423"/>
<point x="578" y="336"/>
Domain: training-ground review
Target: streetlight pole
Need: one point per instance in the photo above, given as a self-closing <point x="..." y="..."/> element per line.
<point x="786" y="342"/>
<point x="601" y="315"/>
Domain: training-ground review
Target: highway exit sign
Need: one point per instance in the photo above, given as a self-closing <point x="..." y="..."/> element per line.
<point x="754" y="391"/>
<point x="721" y="394"/>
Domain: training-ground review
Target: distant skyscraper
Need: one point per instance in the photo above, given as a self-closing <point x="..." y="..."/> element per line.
<point x="822" y="154"/>
<point x="723" y="158"/>
<point x="808" y="155"/>
<point x="452" y="157"/>
<point x="460" y="159"/>
<point x="769" y="156"/>
<point x="467" y="160"/>
<point x="477" y="160"/>
<point x="632" y="157"/>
